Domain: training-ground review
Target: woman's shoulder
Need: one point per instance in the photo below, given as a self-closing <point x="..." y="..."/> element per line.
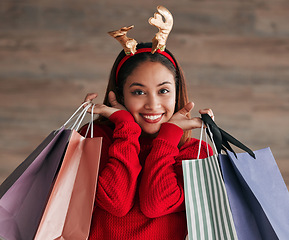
<point x="191" y="147"/>
<point x="99" y="130"/>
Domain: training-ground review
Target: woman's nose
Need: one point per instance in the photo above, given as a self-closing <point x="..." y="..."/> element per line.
<point x="152" y="102"/>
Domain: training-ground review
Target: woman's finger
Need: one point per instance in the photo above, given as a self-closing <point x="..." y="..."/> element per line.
<point x="196" y="122"/>
<point x="88" y="98"/>
<point x="113" y="102"/>
<point x="187" y="108"/>
<point x="207" y="111"/>
<point x="112" y="99"/>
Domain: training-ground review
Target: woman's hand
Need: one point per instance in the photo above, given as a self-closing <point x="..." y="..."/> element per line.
<point x="102" y="109"/>
<point x="182" y="119"/>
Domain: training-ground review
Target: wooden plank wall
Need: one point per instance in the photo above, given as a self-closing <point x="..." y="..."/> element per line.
<point x="235" y="54"/>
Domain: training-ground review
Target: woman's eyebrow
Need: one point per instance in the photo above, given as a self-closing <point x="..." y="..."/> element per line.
<point x="141" y="85"/>
<point x="136" y="84"/>
<point x="163" y="83"/>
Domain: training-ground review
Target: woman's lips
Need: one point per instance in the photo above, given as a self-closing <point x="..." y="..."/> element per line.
<point x="152" y="118"/>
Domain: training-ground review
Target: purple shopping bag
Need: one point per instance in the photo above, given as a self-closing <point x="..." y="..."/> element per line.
<point x="22" y="205"/>
<point x="257" y="194"/>
<point x="10" y="180"/>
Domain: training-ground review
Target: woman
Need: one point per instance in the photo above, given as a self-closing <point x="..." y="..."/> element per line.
<point x="146" y="127"/>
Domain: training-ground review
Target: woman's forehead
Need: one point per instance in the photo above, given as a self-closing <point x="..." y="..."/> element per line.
<point x="150" y="72"/>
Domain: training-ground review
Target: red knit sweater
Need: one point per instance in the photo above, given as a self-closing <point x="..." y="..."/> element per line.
<point x="140" y="187"/>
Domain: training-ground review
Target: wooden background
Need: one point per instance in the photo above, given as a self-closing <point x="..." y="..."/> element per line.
<point x="235" y="54"/>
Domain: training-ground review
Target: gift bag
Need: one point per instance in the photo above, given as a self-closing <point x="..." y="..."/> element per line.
<point x="207" y="207"/>
<point x="266" y="198"/>
<point x="11" y="179"/>
<point x="69" y="208"/>
<point x="23" y="203"/>
<point x="258" y="196"/>
<point x="25" y="192"/>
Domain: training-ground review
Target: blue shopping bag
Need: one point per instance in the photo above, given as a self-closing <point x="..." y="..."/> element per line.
<point x="258" y="196"/>
<point x="244" y="220"/>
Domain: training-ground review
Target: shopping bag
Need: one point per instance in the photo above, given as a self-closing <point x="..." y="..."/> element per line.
<point x="25" y="192"/>
<point x="244" y="219"/>
<point x="69" y="208"/>
<point x="23" y="203"/>
<point x="258" y="196"/>
<point x="207" y="207"/>
<point x="266" y="198"/>
<point x="11" y="179"/>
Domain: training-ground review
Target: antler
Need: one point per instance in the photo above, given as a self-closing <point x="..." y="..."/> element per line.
<point x="159" y="41"/>
<point x="128" y="44"/>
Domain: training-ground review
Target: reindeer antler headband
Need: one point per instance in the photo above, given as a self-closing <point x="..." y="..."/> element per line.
<point x="160" y="39"/>
<point x="128" y="44"/>
<point x="158" y="42"/>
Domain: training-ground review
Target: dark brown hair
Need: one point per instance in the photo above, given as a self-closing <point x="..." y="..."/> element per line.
<point x="128" y="67"/>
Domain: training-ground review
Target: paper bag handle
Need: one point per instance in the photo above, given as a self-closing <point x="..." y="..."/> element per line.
<point x="90" y="125"/>
<point x="222" y="139"/>
<point x="79" y="114"/>
<point x="201" y="138"/>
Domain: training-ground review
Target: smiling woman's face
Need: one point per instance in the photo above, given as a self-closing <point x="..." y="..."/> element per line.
<point x="150" y="95"/>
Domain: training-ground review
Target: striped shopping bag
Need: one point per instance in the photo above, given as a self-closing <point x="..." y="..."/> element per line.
<point x="207" y="207"/>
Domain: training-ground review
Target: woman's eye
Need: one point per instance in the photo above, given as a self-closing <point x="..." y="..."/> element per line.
<point x="163" y="91"/>
<point x="138" y="92"/>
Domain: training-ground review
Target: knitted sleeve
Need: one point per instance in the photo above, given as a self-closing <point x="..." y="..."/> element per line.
<point x="161" y="189"/>
<point x="117" y="180"/>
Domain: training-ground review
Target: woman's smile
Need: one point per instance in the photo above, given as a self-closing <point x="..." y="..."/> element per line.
<point x="152" y="118"/>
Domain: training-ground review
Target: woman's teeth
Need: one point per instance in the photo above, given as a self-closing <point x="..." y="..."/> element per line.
<point x="152" y="117"/>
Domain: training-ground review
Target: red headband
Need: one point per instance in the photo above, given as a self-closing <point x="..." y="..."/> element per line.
<point x="142" y="50"/>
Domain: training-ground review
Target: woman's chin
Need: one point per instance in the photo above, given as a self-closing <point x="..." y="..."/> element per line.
<point x="150" y="132"/>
